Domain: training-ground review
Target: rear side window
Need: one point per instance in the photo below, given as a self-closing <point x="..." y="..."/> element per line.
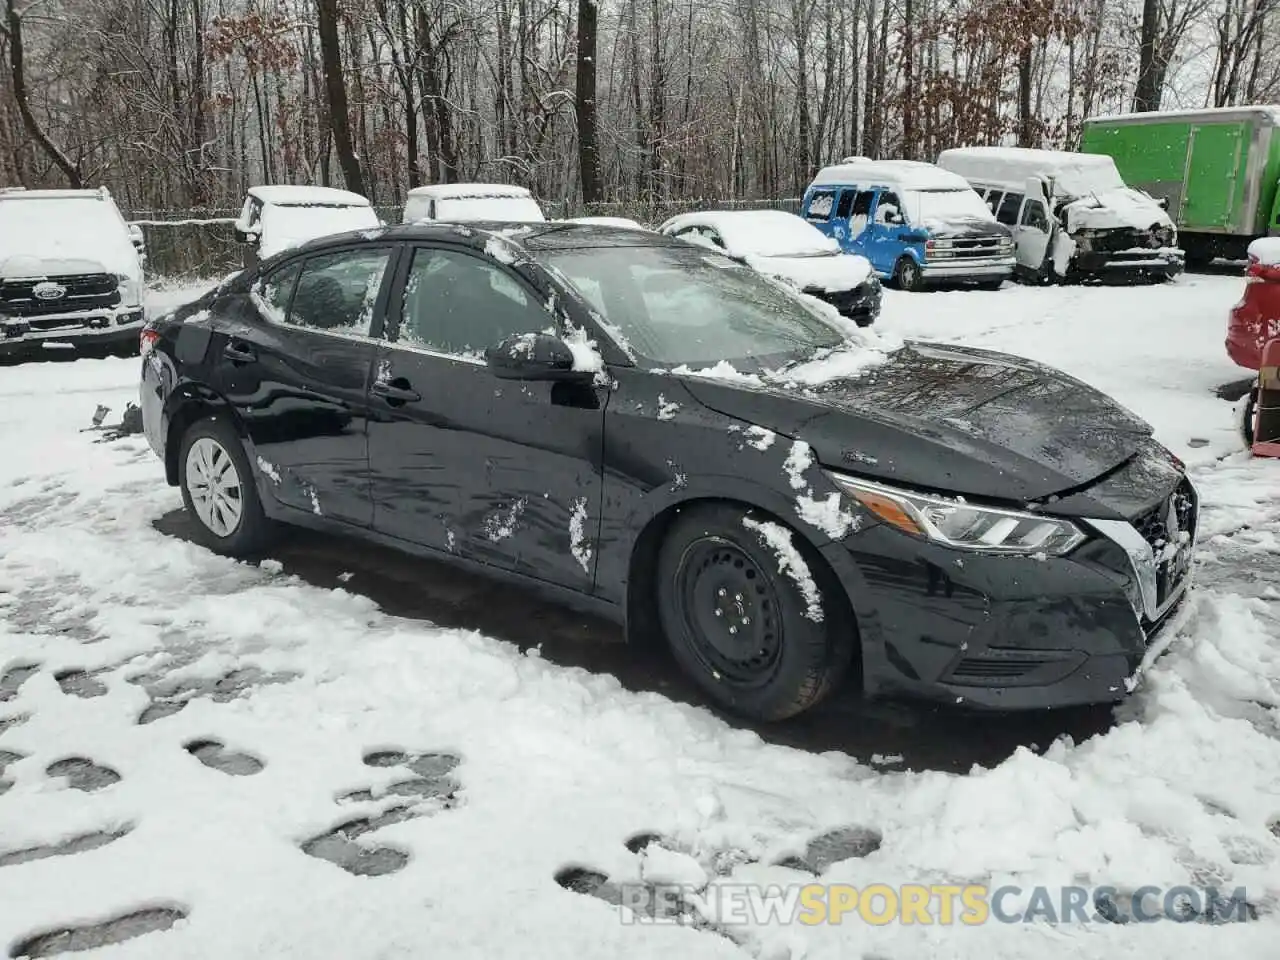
<point x="271" y="294"/>
<point x="1007" y="212"/>
<point x="821" y="203"/>
<point x="862" y="203"/>
<point x="845" y="208"/>
<point x="337" y="291"/>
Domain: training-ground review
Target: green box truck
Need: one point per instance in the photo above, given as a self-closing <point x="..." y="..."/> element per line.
<point x="1216" y="169"/>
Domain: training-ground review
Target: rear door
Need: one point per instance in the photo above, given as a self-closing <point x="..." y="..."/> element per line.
<point x="499" y="471"/>
<point x="295" y="363"/>
<point x="1214" y="159"/>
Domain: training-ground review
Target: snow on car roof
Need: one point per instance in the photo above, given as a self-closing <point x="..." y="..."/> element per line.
<point x="904" y="174"/>
<point x="460" y="191"/>
<point x="281" y="195"/>
<point x="1268" y="112"/>
<point x="22" y="193"/>
<point x="1013" y="165"/>
<point x="766" y="233"/>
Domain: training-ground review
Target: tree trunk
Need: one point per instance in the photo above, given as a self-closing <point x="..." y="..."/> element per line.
<point x="585" y="103"/>
<point x="336" y="87"/>
<point x="1147" y="94"/>
<point x="17" y="67"/>
<point x="1026" y="128"/>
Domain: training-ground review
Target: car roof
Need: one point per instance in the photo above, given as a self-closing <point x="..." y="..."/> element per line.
<point x="904" y="174"/>
<point x="551" y="235"/>
<point x="469" y="191"/>
<point x="1018" y="163"/>
<point x="284" y="195"/>
<point x="21" y="193"/>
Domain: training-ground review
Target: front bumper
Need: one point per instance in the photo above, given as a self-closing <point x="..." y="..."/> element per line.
<point x="940" y="269"/>
<point x="1009" y="632"/>
<point x="21" y="335"/>
<point x="1165" y="263"/>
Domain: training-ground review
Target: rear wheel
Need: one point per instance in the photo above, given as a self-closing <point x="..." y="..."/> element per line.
<point x="737" y="620"/>
<point x="908" y="275"/>
<point x="1247" y="411"/>
<point x="218" y="490"/>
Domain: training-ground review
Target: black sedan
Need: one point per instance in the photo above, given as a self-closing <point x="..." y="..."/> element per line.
<point x="652" y="430"/>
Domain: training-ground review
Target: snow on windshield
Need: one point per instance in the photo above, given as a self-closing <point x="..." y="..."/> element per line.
<point x="1086" y="179"/>
<point x="770" y="233"/>
<point x="289" y="226"/>
<point x="926" y="206"/>
<point x="86" y="234"/>
<point x="507" y="209"/>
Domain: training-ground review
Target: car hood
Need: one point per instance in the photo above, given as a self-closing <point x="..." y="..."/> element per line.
<point x="965" y="228"/>
<point x="1115" y="209"/>
<point x="951" y="419"/>
<point x="825" y="274"/>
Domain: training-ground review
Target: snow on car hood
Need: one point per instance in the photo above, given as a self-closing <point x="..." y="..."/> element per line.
<point x="1111" y="209"/>
<point x="1266" y="250"/>
<point x="951" y="419"/>
<point x="290" y="226"/>
<point x="828" y="274"/>
<point x="35" y="244"/>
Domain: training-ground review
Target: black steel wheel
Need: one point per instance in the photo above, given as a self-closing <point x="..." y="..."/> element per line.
<point x="739" y="625"/>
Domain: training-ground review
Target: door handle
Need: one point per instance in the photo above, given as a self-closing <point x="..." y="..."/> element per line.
<point x="237" y="351"/>
<point x="395" y="392"/>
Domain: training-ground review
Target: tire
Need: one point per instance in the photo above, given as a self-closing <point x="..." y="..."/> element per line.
<point x="908" y="275"/>
<point x="990" y="284"/>
<point x="1246" y="411"/>
<point x="716" y="577"/>
<point x="212" y="447"/>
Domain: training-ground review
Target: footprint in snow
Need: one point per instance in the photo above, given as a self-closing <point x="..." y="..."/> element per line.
<point x="90" y="936"/>
<point x="843" y="843"/>
<point x="170" y="696"/>
<point x="64" y="848"/>
<point x="81" y="683"/>
<point x="431" y="781"/>
<point x="81" y="773"/>
<point x="12" y="679"/>
<point x="215" y="755"/>
<point x="7" y="757"/>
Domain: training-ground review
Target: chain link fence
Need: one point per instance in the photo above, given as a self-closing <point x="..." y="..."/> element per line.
<point x="198" y="244"/>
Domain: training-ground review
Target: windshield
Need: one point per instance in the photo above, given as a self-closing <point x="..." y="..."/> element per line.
<point x="1082" y="181"/>
<point x="960" y="203"/>
<point x="505" y="209"/>
<point x="773" y="234"/>
<point x="288" y="226"/>
<point x="73" y="228"/>
<point x="682" y="305"/>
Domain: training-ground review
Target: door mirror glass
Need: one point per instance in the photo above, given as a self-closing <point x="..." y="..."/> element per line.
<point x="533" y="356"/>
<point x="246" y="236"/>
<point x="136" y="237"/>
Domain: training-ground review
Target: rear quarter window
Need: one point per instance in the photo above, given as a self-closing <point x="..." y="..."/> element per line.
<point x="821" y="203"/>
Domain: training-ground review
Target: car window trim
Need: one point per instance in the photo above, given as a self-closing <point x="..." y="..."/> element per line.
<point x="394" y="317"/>
<point x="377" y="324"/>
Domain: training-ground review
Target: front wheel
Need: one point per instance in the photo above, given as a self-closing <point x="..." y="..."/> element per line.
<point x="218" y="490"/>
<point x="908" y="275"/>
<point x="752" y="615"/>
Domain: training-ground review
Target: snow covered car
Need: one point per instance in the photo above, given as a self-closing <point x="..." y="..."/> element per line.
<point x="275" y="218"/>
<point x="625" y="223"/>
<point x="783" y="246"/>
<point x="70" y="273"/>
<point x="646" y="428"/>
<point x="1071" y="214"/>
<point x="472" y="203"/>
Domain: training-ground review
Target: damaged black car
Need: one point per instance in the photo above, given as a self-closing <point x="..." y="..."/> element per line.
<point x="649" y="429"/>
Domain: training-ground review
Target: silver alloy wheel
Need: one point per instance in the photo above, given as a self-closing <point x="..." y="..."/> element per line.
<point x="214" y="485"/>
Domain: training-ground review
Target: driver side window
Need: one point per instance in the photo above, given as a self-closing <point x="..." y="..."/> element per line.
<point x="461" y="305"/>
<point x="889" y="209"/>
<point x="1033" y="216"/>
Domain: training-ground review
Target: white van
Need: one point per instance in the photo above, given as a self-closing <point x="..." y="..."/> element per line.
<point x="1071" y="214"/>
<point x="471" y="202"/>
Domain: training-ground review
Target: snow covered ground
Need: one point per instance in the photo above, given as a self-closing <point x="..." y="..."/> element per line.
<point x="180" y="734"/>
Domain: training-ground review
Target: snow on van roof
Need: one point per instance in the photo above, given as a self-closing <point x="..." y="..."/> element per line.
<point x="903" y="174"/>
<point x="461" y="191"/>
<point x="1011" y="166"/>
<point x="1265" y="111"/>
<point x="281" y="195"/>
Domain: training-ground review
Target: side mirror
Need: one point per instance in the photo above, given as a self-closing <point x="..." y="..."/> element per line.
<point x="246" y="236"/>
<point x="136" y="237"/>
<point x="1162" y="203"/>
<point x="533" y="356"/>
<point x="914" y="236"/>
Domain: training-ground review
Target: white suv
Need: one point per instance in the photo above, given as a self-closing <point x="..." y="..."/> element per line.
<point x="70" y="273"/>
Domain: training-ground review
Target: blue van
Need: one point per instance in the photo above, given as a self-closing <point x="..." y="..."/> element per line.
<point x="916" y="223"/>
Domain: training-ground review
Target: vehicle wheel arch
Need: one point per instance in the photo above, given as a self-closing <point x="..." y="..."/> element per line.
<point x="189" y="404"/>
<point x="642" y="626"/>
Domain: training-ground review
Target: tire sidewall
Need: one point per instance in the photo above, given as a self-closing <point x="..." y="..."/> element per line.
<point x="908" y="274"/>
<point x="251" y="532"/>
<point x="807" y="646"/>
<point x="1245" y="413"/>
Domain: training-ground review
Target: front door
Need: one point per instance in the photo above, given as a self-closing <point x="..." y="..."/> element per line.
<point x="1031" y="238"/>
<point x="499" y="471"/>
<point x="296" y="367"/>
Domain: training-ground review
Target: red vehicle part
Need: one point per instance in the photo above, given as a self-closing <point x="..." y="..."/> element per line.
<point x="1266" y="421"/>
<point x="1255" y="320"/>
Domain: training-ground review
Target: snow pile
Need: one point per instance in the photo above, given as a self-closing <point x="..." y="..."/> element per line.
<point x="827" y="514"/>
<point x="832" y="273"/>
<point x="667" y="409"/>
<point x="579" y="539"/>
<point x="722" y="370"/>
<point x="790" y="562"/>
<point x="1266" y="250"/>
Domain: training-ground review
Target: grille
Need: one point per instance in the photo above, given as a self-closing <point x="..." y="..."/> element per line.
<point x="971" y="247"/>
<point x="974" y="668"/>
<point x="89" y="291"/>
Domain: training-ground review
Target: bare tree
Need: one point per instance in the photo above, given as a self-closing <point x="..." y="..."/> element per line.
<point x="336" y="88"/>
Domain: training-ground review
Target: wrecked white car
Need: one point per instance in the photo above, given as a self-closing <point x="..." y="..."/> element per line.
<point x="276" y="218"/>
<point x="70" y="273"/>
<point x="1072" y="215"/>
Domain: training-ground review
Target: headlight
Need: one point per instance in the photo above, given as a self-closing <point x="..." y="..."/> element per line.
<point x="961" y="525"/>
